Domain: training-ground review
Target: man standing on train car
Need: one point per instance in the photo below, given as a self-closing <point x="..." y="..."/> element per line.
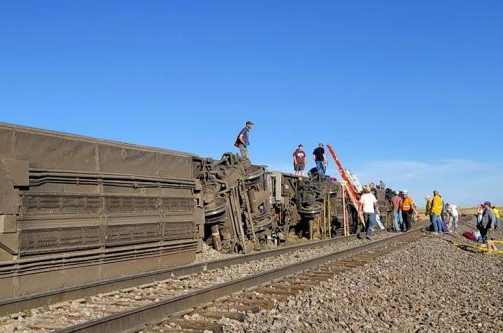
<point x="243" y="140"/>
<point x="320" y="159"/>
<point x="299" y="160"/>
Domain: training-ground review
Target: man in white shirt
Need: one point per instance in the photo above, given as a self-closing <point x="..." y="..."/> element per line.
<point x="452" y="210"/>
<point x="369" y="206"/>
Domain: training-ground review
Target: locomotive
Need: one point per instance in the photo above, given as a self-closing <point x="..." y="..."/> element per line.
<point x="75" y="209"/>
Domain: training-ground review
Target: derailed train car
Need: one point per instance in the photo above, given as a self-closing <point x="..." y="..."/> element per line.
<point x="75" y="209"/>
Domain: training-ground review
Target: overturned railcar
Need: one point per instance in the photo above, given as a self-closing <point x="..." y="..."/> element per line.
<point x="75" y="209"/>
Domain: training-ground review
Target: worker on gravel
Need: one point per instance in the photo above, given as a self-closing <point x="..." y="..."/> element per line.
<point x="243" y="140"/>
<point x="369" y="206"/>
<point x="498" y="217"/>
<point x="427" y="210"/>
<point x="486" y="225"/>
<point x="437" y="205"/>
<point x="320" y="159"/>
<point x="453" y="217"/>
<point x="408" y="208"/>
<point x="299" y="161"/>
<point x="396" y="201"/>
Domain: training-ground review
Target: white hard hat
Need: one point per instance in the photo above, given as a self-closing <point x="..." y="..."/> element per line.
<point x="405" y="192"/>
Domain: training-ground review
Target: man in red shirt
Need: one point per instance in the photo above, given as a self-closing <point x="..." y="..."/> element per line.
<point x="299" y="161"/>
<point x="397" y="214"/>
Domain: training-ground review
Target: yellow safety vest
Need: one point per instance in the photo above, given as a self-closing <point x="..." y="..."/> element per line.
<point x="496" y="212"/>
<point x="437" y="205"/>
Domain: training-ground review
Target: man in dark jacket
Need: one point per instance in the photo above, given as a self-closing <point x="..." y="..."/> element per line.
<point x="486" y="225"/>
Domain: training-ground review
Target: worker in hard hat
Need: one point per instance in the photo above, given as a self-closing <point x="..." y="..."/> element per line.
<point x="408" y="208"/>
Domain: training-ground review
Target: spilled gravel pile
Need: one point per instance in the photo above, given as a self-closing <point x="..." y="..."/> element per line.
<point x="428" y="286"/>
<point x="208" y="254"/>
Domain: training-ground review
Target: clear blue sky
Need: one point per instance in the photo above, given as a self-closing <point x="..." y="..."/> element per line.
<point x="410" y="92"/>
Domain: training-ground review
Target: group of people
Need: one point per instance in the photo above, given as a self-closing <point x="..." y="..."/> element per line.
<point x="299" y="155"/>
<point x="319" y="157"/>
<point x="404" y="209"/>
<point x="443" y="217"/>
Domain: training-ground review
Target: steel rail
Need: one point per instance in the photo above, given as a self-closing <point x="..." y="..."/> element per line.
<point x="136" y="319"/>
<point x="18" y="304"/>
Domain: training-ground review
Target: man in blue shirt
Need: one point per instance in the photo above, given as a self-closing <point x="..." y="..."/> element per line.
<point x="243" y="141"/>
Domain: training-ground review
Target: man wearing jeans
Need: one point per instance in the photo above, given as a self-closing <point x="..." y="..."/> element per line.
<point x="437" y="205"/>
<point x="243" y="141"/>
<point x="452" y="211"/>
<point x="396" y="201"/>
<point x="408" y="208"/>
<point x="369" y="206"/>
<point x="320" y="159"/>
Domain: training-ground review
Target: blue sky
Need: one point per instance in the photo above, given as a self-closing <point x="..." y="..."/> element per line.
<point x="407" y="92"/>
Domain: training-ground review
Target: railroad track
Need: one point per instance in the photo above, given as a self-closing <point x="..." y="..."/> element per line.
<point x="98" y="300"/>
<point x="252" y="292"/>
<point x="265" y="295"/>
<point x="13" y="305"/>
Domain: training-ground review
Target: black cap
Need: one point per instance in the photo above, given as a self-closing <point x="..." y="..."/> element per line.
<point x="487" y="203"/>
<point x="249" y="122"/>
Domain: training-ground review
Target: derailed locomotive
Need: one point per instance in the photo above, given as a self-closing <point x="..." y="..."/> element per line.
<point x="76" y="210"/>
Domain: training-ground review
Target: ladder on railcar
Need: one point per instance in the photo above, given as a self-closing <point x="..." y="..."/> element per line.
<point x="351" y="191"/>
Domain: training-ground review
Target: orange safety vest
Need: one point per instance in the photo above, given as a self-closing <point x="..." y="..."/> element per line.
<point x="407" y="204"/>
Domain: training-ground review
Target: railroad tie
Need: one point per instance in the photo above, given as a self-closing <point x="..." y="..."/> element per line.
<point x="198" y="325"/>
<point x="244" y="308"/>
<point x="45" y="325"/>
<point x="238" y="316"/>
<point x="260" y="303"/>
<point x="111" y="310"/>
<point x="297" y="287"/>
<point x="276" y="291"/>
<point x="303" y="282"/>
<point x="315" y="276"/>
<point x="349" y="263"/>
<point x="174" y="330"/>
<point x="338" y="269"/>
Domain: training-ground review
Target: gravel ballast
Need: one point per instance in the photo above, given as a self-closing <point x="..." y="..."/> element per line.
<point x="427" y="286"/>
<point x="45" y="318"/>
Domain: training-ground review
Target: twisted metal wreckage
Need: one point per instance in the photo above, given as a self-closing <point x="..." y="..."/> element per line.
<point x="75" y="209"/>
